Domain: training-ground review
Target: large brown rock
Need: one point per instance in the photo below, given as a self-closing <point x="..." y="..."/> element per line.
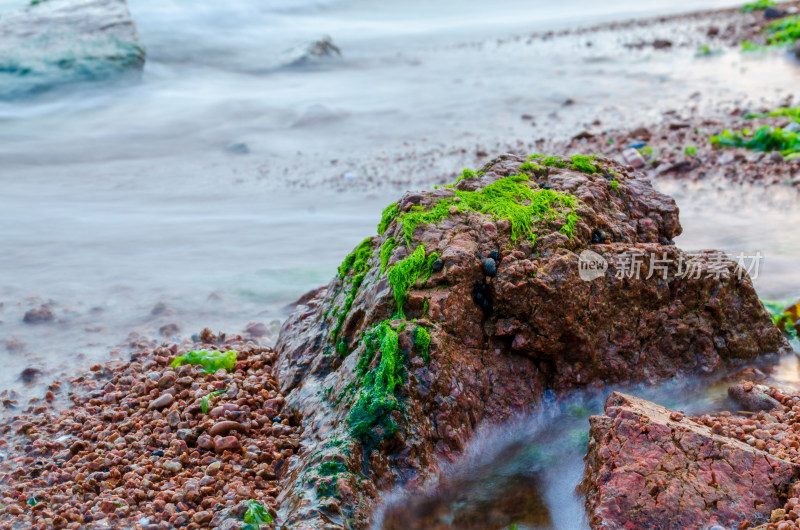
<point x="499" y="342"/>
<point x="648" y="467"/>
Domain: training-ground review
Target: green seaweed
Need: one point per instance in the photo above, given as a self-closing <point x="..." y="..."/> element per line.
<point x="388" y="215"/>
<point x="256" y="516"/>
<point x="690" y="150"/>
<point x="759" y="5"/>
<point x="386" y="252"/>
<point x="204" y="399"/>
<point x="782" y="319"/>
<point x="585" y="164"/>
<point x="211" y="361"/>
<point x="407" y="272"/>
<point x="465" y="175"/>
<point x="510" y="198"/>
<point x="357" y="260"/>
<point x="783" y="31"/>
<point x="422" y="342"/>
<point x="357" y="263"/>
<point x="789" y="112"/>
<point x="765" y="138"/>
<point x="332" y="467"/>
<point x="369" y="418"/>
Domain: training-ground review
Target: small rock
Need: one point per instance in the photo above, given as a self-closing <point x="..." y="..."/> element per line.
<point x="164" y="400"/>
<point x="633" y="158"/>
<point x="173" y="418"/>
<point x="437" y="265"/>
<point x="256" y="329"/>
<point x="213" y="468"/>
<point x="169" y="330"/>
<point x="583" y="135"/>
<point x="771" y="13"/>
<point x="224" y="427"/>
<point x="172" y="466"/>
<point x="227" y="443"/>
<point x="777" y="515"/>
<point x="661" y="44"/>
<point x="201" y="517"/>
<point x="204" y="441"/>
<point x="39" y="316"/>
<point x="238" y="148"/>
<point x="676" y="416"/>
<point x="187" y="435"/>
<point x="166" y="380"/>
<point x="30" y="374"/>
<point x="752" y="400"/>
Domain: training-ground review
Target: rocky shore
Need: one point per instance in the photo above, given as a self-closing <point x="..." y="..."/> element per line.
<point x="528" y="277"/>
<point x="525" y="280"/>
<point x="146" y="446"/>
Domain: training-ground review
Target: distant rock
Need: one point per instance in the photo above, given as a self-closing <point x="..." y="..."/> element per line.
<point x="41" y="315"/>
<point x="238" y="148"/>
<point x="56" y="42"/>
<point x="311" y="52"/>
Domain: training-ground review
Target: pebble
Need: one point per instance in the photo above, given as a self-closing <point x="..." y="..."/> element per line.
<point x="118" y="461"/>
<point x="224" y="427"/>
<point x="633" y="158"/>
<point x="227" y="443"/>
<point x="164" y="400"/>
<point x="172" y="466"/>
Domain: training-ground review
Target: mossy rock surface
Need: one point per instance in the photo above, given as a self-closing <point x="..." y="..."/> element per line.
<point x="427" y="344"/>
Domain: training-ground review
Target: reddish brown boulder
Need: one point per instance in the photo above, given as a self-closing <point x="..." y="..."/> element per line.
<point x="508" y="318"/>
<point x="648" y="467"/>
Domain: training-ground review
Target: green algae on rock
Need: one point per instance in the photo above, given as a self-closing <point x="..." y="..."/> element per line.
<point x="369" y="417"/>
<point x="422" y="342"/>
<point x="406" y="273"/>
<point x="511" y="198"/>
<point x="386" y="252"/>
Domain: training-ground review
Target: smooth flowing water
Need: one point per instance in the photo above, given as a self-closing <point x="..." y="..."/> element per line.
<point x="123" y="212"/>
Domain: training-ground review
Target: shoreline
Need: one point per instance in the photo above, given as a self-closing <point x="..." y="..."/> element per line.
<point x="165" y="483"/>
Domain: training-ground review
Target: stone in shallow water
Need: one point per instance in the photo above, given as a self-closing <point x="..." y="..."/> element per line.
<point x="57" y="42"/>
